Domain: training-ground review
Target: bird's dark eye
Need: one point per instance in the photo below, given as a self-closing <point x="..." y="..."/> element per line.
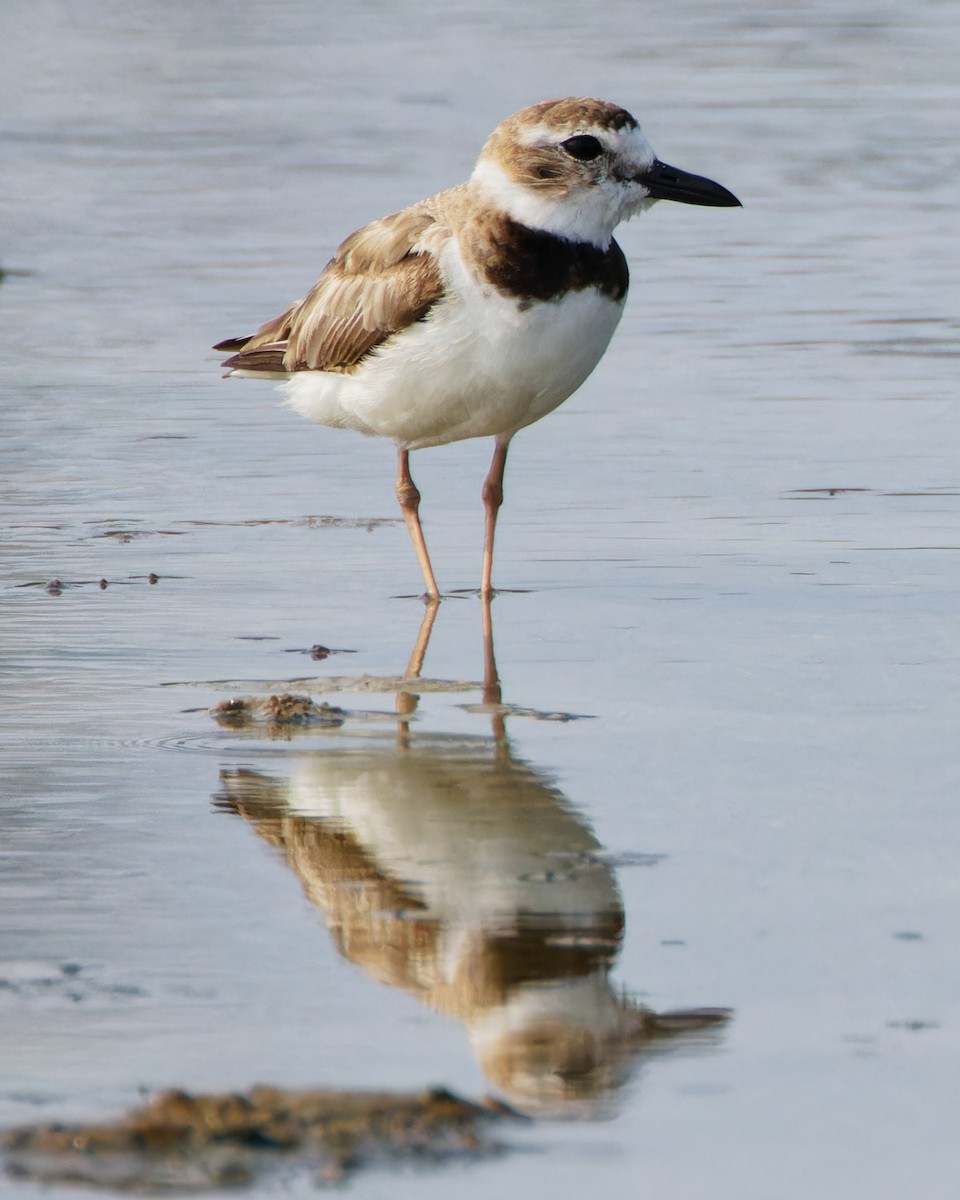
<point x="583" y="146"/>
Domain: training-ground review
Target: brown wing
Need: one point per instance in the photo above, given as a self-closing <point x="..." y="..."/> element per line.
<point x="384" y="277"/>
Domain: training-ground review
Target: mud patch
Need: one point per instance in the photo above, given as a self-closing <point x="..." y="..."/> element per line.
<point x="184" y="1141"/>
<point x="277" y="714"/>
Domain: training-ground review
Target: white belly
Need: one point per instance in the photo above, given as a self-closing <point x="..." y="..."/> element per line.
<point x="480" y="365"/>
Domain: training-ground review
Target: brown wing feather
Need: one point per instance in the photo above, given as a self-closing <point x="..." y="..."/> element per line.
<point x="381" y="279"/>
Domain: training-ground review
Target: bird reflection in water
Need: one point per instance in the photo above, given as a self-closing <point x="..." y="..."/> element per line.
<point x="449" y="868"/>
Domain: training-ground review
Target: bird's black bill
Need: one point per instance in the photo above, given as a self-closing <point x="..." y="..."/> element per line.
<point x="670" y="183"/>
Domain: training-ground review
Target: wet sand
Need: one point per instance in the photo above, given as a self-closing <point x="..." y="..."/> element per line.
<point x="185" y="1143"/>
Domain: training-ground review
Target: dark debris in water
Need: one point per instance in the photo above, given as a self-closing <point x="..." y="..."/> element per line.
<point x="277" y="714"/>
<point x="317" y="652"/>
<point x="517" y="710"/>
<point x="14" y="273"/>
<point x="821" y="492"/>
<point x="310" y="522"/>
<point x="128" y="535"/>
<point x="180" y="1141"/>
<point x="60" y="984"/>
<point x="826" y="493"/>
<point x="56" y="586"/>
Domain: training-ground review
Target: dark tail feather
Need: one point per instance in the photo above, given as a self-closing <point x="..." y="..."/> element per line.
<point x="233" y="343"/>
<point x="263" y="358"/>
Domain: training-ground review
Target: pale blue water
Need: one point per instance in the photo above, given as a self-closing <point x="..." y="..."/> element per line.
<point x="738" y="546"/>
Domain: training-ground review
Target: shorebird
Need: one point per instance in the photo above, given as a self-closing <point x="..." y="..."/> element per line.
<point x="479" y="310"/>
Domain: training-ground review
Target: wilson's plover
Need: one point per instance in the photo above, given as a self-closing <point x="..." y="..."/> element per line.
<point x="477" y="311"/>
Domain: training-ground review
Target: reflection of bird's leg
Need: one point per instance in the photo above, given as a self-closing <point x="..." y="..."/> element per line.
<point x="407" y="701"/>
<point x="418" y="653"/>
<point x="491" y="679"/>
<point x="492" y="499"/>
<point x="409" y="499"/>
<point x="492" y="692"/>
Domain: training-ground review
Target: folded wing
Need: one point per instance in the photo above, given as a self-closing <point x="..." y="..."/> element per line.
<point x="383" y="278"/>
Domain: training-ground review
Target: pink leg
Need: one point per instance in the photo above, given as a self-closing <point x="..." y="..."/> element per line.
<point x="492" y="499"/>
<point x="409" y="499"/>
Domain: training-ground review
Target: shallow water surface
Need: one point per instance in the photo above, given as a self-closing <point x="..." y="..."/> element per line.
<point x="722" y="772"/>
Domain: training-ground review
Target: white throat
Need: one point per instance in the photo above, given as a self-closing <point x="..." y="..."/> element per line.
<point x="586" y="215"/>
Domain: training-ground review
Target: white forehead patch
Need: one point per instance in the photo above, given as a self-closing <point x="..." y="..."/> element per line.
<point x="549" y="135"/>
<point x="627" y="141"/>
